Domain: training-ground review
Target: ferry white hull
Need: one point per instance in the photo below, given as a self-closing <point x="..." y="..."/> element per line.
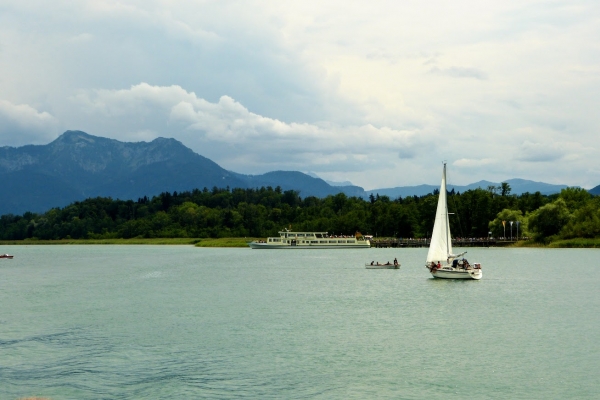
<point x="255" y="245"/>
<point x="289" y="240"/>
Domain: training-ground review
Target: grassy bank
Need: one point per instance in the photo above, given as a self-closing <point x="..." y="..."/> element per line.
<point x="527" y="243"/>
<point x="576" y="243"/>
<point x="222" y="242"/>
<point x="102" y="241"/>
<point x="579" y="243"/>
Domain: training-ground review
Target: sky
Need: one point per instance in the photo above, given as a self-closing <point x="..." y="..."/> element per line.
<point x="378" y="93"/>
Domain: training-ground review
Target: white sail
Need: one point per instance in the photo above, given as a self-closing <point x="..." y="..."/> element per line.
<point x="440" y="248"/>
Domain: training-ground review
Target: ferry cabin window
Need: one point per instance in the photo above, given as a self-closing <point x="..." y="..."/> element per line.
<point x="322" y="241"/>
<point x="314" y="241"/>
<point x="332" y="241"/>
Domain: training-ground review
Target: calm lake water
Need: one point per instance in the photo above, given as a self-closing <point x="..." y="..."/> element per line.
<point x="178" y="322"/>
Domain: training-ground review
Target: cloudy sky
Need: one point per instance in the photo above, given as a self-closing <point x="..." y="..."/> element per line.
<point x="375" y="92"/>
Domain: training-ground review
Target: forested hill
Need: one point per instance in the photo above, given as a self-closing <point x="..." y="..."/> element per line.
<point x="263" y="212"/>
<point x="77" y="166"/>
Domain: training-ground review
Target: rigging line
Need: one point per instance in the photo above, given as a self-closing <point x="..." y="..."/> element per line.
<point x="457" y="211"/>
<point x="457" y="215"/>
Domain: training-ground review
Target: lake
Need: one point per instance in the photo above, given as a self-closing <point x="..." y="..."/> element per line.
<point x="178" y="322"/>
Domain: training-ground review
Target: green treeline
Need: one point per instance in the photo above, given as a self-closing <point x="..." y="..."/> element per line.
<point x="263" y="212"/>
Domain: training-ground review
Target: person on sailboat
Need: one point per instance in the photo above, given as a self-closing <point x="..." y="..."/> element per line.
<point x="439" y="265"/>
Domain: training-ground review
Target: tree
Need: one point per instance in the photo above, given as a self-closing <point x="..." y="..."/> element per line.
<point x="574" y="197"/>
<point x="493" y="189"/>
<point x="498" y="229"/>
<point x="548" y="220"/>
<point x="585" y="221"/>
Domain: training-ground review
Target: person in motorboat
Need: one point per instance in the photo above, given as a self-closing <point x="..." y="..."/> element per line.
<point x="372" y="262"/>
<point x="395" y="261"/>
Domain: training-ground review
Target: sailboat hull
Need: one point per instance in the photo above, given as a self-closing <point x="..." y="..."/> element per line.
<point x="452" y="273"/>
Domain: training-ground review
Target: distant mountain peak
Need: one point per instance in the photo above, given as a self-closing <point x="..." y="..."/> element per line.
<point x="330" y="183"/>
<point x="76" y="142"/>
<point x="77" y="165"/>
<point x="161" y="139"/>
<point x="75" y="136"/>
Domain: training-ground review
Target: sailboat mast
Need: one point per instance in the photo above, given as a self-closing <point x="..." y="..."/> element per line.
<point x="445" y="193"/>
<point x="440" y="246"/>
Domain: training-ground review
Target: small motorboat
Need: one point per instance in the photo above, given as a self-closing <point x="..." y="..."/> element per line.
<point x="6" y="256"/>
<point x="388" y="265"/>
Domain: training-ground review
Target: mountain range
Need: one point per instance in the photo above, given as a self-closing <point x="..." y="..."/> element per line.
<point x="77" y="165"/>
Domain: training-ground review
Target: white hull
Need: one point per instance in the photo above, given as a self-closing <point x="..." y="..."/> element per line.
<point x="456" y="273"/>
<point x="288" y="240"/>
<point x="255" y="245"/>
<point x="384" y="266"/>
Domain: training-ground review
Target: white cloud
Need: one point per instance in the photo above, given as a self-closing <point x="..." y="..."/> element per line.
<point x="21" y="124"/>
<point x="374" y="92"/>
<point x="460" y="72"/>
<point x="262" y="144"/>
<point x="473" y="163"/>
<point x="82" y="38"/>
<point x="540" y="152"/>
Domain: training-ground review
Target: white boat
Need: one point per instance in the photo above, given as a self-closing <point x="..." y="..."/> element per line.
<point x="388" y="265"/>
<point x="311" y="240"/>
<point x="441" y="262"/>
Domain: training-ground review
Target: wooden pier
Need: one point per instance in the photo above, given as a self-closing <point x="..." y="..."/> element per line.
<point x="408" y="243"/>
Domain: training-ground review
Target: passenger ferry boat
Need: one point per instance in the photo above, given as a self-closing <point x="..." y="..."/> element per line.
<point x="311" y="240"/>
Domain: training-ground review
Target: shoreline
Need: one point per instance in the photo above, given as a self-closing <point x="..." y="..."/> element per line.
<point x="198" y="242"/>
<point x="580" y="243"/>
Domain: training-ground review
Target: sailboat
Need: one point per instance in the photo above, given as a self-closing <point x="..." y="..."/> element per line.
<point x="441" y="262"/>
